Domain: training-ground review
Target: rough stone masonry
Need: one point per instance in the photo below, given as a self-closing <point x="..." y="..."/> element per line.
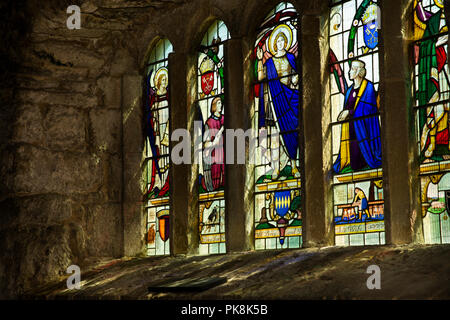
<point x="70" y="119"/>
<point x="71" y="137"/>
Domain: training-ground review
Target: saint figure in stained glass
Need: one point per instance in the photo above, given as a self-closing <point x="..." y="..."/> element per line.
<point x="156" y="128"/>
<point x="360" y="139"/>
<point x="278" y="206"/>
<point x="432" y="92"/>
<point x="358" y="194"/>
<point x="431" y="60"/>
<point x="213" y="160"/>
<point x="158" y="132"/>
<point x="279" y="97"/>
<point x="211" y="105"/>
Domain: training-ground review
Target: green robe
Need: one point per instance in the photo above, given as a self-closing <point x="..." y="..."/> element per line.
<point x="427" y="62"/>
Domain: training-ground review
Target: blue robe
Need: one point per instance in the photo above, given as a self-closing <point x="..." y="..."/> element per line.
<point x="285" y="104"/>
<point x="367" y="130"/>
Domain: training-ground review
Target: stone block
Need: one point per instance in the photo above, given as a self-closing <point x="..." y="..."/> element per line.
<point x="106" y="130"/>
<point x="113" y="178"/>
<point x="134" y="229"/>
<point x="43" y="171"/>
<point x="110" y="90"/>
<point x="103" y="225"/>
<point x="132" y="114"/>
<point x="69" y="52"/>
<point x="68" y="73"/>
<point x="123" y="63"/>
<point x="46" y="209"/>
<point x="134" y="180"/>
<point x="78" y="100"/>
<point x="38" y="254"/>
<point x="65" y="129"/>
<point x="28" y="126"/>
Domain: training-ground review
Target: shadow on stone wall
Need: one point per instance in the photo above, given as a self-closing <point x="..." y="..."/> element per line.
<point x="15" y="25"/>
<point x="35" y="244"/>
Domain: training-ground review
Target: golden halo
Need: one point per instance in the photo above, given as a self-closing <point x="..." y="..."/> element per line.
<point x="287" y="32"/>
<point x="439" y="3"/>
<point x="162" y="70"/>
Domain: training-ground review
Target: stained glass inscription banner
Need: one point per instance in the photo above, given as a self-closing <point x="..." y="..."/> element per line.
<point x="278" y="218"/>
<point x="431" y="88"/>
<point x="356" y="141"/>
<point x="211" y="104"/>
<point x="156" y="173"/>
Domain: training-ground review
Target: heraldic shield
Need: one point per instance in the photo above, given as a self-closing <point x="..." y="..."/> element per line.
<point x="370" y="29"/>
<point x="371" y="35"/>
<point x="163" y="224"/>
<point x="282" y="202"/>
<point x="207" y="82"/>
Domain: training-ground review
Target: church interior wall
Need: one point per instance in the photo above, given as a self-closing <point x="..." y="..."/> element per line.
<point x="72" y="136"/>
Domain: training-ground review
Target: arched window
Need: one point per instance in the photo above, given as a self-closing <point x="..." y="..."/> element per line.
<point x="431" y="87"/>
<point x="157" y="157"/>
<point x="211" y="110"/>
<point x="356" y="142"/>
<point x="278" y="218"/>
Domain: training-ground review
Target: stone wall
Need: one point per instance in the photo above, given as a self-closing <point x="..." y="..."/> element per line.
<point x="71" y="119"/>
<point x="62" y="160"/>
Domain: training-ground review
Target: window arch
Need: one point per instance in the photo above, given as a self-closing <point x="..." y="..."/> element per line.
<point x="358" y="198"/>
<point x="432" y="98"/>
<point x="278" y="219"/>
<point x="156" y="151"/>
<point x="211" y="106"/>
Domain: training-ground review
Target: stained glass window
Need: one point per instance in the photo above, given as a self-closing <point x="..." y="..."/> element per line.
<point x="157" y="160"/>
<point x="278" y="216"/>
<point x="356" y="143"/>
<point x="431" y="87"/>
<point x="211" y="103"/>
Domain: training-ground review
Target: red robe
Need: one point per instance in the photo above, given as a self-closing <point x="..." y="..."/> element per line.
<point x="217" y="155"/>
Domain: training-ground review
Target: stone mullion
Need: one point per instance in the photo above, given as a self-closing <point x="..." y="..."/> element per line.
<point x="134" y="215"/>
<point x="400" y="171"/>
<point x="236" y="117"/>
<point x="179" y="190"/>
<point x="316" y="226"/>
